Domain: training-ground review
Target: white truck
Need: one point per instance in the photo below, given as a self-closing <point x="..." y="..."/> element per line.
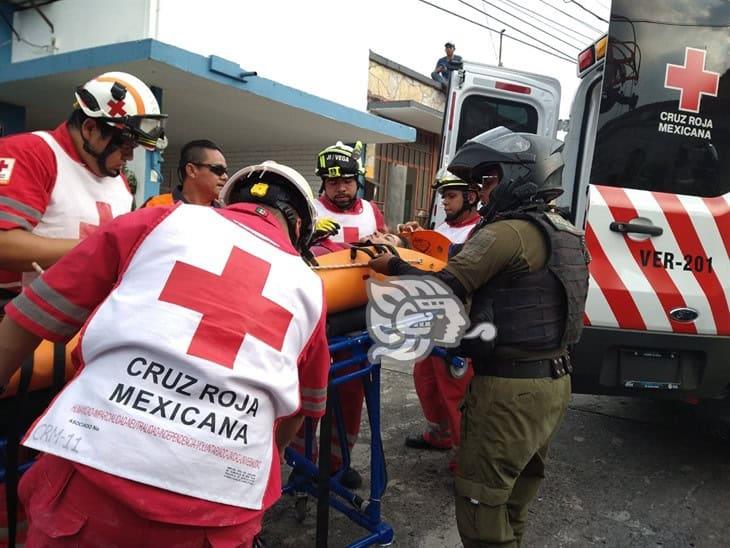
<point x="647" y="175"/>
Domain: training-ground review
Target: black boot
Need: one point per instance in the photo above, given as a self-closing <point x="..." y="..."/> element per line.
<point x="351" y="479"/>
<point x="420" y="442"/>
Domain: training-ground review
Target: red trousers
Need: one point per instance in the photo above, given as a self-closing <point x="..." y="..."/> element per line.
<point x="351" y="396"/>
<point x="440" y="395"/>
<point x="66" y="510"/>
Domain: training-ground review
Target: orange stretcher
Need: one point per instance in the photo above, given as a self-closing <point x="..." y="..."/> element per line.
<point x="42" y="368"/>
<point x="343" y="274"/>
<point x="429" y="242"/>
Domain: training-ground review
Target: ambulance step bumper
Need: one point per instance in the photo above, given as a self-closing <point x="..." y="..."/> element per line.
<point x="660" y="365"/>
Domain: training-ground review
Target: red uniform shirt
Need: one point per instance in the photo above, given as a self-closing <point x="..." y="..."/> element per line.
<point x="27" y="181"/>
<point x="57" y="304"/>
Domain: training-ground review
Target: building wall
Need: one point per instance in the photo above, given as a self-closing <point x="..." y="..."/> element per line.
<point x="387" y="84"/>
<point x="81" y="24"/>
<point x="285" y="41"/>
<point x="317" y="47"/>
<point x="389" y="81"/>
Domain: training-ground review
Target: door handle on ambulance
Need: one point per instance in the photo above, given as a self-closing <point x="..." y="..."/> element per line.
<point x="636" y="228"/>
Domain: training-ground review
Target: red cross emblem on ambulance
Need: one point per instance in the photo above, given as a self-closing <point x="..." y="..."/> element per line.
<point x="692" y="80"/>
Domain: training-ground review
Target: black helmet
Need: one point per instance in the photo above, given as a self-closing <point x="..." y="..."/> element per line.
<point x="340" y="160"/>
<point x="531" y="167"/>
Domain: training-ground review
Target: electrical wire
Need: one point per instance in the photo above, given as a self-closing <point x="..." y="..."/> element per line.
<point x="667" y="23"/>
<point x="19" y="38"/>
<point x="494" y="47"/>
<point x="581" y="6"/>
<point x="558" y="38"/>
<point x="516" y="29"/>
<point x="562" y="56"/>
<point x="594" y="29"/>
<point x="548" y="22"/>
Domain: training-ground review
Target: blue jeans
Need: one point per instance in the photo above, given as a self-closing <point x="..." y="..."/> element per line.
<point x="441" y="78"/>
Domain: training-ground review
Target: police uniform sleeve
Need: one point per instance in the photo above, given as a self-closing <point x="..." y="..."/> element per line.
<point x="56" y="305"/>
<point x="27" y="174"/>
<point x="314" y="365"/>
<point x="490" y="251"/>
<point x="484" y="255"/>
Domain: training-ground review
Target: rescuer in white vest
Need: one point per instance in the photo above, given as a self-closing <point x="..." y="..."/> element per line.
<point x="58" y="186"/>
<point x="203" y="347"/>
<point x="340" y="168"/>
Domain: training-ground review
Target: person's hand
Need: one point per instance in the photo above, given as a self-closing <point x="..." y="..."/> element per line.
<point x="380" y="263"/>
<point x="324" y="228"/>
<point x="410" y="226"/>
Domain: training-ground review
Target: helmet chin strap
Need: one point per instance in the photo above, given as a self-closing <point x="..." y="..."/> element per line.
<point x="101" y="157"/>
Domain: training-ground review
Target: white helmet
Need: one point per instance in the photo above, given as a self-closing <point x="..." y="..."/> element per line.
<point x="124" y="102"/>
<point x="278" y="186"/>
<point x="447" y="180"/>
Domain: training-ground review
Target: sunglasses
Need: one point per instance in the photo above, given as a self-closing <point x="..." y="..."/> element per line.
<point x="215" y="169"/>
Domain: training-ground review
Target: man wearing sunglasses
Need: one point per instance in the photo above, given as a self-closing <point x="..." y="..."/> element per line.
<point x="202" y="171"/>
<point x="57" y="187"/>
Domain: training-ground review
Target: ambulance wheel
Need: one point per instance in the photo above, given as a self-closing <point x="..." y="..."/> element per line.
<point x="300" y="509"/>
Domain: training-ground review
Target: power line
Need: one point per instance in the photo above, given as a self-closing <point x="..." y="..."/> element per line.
<point x="581" y="6"/>
<point x="558" y="38"/>
<point x="546" y="21"/>
<point x="494" y="47"/>
<point x="516" y="29"/>
<point x="621" y="19"/>
<point x="594" y="29"/>
<point x="560" y="55"/>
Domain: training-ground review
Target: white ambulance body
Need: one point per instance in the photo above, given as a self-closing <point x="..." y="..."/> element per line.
<point x="648" y="176"/>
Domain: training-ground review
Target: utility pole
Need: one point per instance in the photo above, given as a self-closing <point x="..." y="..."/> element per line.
<point x="501" y="33"/>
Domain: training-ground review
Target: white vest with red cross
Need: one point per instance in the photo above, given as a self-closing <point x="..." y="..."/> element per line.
<point x="354" y="224"/>
<point x="80" y="201"/>
<point x="457" y="233"/>
<point x="189" y="362"/>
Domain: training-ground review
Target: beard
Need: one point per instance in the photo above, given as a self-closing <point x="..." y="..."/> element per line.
<point x="343" y="202"/>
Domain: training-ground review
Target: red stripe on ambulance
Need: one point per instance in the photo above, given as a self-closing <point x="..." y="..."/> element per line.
<point x="617" y="295"/>
<point x="691" y="244"/>
<point x="661" y="282"/>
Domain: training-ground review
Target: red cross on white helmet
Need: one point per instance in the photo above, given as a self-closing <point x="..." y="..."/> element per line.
<point x="124" y="102"/>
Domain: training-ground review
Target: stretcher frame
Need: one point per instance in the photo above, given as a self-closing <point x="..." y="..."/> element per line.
<point x="310" y="479"/>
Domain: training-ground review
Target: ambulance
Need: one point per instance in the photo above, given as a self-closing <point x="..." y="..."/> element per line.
<point x="647" y="176"/>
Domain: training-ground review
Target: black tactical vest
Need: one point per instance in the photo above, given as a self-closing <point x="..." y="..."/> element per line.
<point x="541" y="310"/>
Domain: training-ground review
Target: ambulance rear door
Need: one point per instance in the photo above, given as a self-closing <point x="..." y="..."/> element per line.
<point x="658" y="221"/>
<point x="482" y="97"/>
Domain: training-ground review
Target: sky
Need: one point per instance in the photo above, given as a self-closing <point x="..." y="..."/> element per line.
<point x="321" y="46"/>
<point x="430" y="28"/>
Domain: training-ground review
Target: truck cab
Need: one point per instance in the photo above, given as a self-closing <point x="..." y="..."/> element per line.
<point x="647" y="176"/>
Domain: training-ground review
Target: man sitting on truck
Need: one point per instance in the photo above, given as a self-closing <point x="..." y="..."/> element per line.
<point x="444" y="66"/>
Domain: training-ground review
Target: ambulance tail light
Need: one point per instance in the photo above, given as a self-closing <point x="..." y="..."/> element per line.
<point x="592" y="54"/>
<point x="515" y="88"/>
<point x="586" y="59"/>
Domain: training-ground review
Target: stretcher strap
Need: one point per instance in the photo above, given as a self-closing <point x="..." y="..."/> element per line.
<point x="355" y="265"/>
<point x="323" y="485"/>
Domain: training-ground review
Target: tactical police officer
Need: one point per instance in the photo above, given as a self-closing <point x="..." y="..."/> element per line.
<point x="524" y="269"/>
